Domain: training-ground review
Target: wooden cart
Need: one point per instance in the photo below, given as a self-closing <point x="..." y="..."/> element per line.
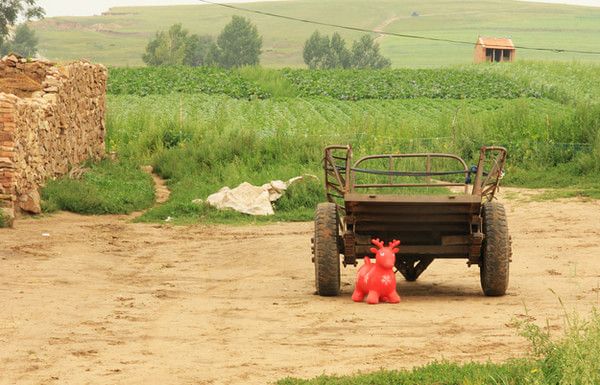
<point x="388" y="197"/>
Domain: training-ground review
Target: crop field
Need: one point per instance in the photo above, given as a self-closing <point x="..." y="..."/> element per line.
<point x="227" y="127"/>
<point x="529" y="24"/>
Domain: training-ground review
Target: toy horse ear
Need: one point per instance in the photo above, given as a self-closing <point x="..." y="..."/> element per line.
<point x="374" y="250"/>
<point x="377" y="242"/>
<point x="394" y="243"/>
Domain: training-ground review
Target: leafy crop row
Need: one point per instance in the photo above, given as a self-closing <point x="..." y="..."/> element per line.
<point x="187" y="80"/>
<point x="407" y="84"/>
<point x="457" y="83"/>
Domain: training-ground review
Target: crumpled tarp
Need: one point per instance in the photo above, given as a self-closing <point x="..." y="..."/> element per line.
<point x="249" y="199"/>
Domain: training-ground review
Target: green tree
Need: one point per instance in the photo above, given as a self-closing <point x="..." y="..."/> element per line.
<point x="11" y="10"/>
<point x="197" y="50"/>
<point x="316" y="51"/>
<point x="24" y="42"/>
<point x="167" y="47"/>
<point x="365" y="54"/>
<point x="338" y="55"/>
<point x="238" y="44"/>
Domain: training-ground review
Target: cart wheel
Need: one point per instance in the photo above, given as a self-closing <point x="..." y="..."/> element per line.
<point x="327" y="256"/>
<point x="496" y="250"/>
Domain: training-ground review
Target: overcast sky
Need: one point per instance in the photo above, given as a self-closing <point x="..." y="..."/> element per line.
<point x="96" y="7"/>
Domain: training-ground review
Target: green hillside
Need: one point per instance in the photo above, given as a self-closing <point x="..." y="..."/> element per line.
<point x="119" y="37"/>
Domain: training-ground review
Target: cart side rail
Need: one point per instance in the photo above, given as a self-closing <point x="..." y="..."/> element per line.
<point x="486" y="184"/>
<point x="336" y="163"/>
<point x="425" y="174"/>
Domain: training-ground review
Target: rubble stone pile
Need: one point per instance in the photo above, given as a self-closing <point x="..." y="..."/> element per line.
<point x="51" y="118"/>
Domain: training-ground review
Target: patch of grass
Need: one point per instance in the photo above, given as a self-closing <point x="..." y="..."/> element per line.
<point x="4" y="220"/>
<point x="201" y="143"/>
<point x="570" y="359"/>
<point x="439" y="373"/>
<point x="272" y="82"/>
<point x="107" y="188"/>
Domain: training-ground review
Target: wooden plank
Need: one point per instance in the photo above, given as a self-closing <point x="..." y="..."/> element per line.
<point x="453" y="240"/>
<point x="401" y="209"/>
<point x="375" y="228"/>
<point x="433" y="250"/>
<point x="415" y="218"/>
<point x="412" y="199"/>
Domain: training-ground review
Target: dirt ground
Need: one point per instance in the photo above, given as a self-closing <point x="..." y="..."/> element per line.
<point x="101" y="300"/>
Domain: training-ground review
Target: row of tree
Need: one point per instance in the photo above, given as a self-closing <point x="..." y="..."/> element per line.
<point x="321" y="51"/>
<point x="239" y="44"/>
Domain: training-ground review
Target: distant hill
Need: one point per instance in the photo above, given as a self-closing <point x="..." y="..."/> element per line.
<point x="119" y="36"/>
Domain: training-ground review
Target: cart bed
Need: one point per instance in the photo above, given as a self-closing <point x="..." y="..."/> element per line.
<point x="438" y="226"/>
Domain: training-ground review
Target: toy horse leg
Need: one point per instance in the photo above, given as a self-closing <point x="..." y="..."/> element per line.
<point x="373" y="297"/>
<point x="393" y="297"/>
<point x="358" y="295"/>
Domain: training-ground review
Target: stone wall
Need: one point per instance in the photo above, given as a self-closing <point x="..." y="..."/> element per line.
<point x="51" y="118"/>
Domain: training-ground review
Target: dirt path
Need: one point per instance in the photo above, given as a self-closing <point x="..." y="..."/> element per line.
<point x="103" y="301"/>
<point x="161" y="190"/>
<point x="381" y="27"/>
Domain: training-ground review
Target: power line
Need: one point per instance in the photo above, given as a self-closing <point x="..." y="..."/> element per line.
<point x="408" y="36"/>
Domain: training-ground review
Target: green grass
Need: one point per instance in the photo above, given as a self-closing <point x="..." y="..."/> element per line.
<point x="272" y="82"/>
<point x="201" y="143"/>
<point x="107" y="188"/>
<point x="120" y="39"/>
<point x="572" y="358"/>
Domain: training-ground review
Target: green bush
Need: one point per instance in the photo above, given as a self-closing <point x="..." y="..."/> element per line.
<point x="444" y="83"/>
<point x="180" y="79"/>
<point x="107" y="188"/>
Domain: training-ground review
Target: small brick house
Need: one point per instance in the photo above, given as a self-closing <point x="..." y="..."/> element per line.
<point x="494" y="49"/>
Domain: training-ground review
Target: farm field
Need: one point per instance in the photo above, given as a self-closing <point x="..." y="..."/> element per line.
<point x="248" y="128"/>
<point x="120" y="37"/>
<point x="104" y="300"/>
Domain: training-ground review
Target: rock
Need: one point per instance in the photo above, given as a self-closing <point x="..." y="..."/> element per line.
<point x="198" y="201"/>
<point x="30" y="202"/>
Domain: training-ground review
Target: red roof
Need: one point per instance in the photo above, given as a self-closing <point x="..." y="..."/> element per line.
<point x="496" y="42"/>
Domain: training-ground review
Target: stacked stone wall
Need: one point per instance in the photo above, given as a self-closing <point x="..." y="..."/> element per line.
<point x="51" y="119"/>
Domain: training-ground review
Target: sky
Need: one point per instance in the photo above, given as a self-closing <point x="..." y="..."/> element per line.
<point x="96" y="7"/>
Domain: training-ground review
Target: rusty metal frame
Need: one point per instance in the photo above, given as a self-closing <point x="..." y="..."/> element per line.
<point x="421" y="214"/>
<point x="428" y="156"/>
<point x="487" y="185"/>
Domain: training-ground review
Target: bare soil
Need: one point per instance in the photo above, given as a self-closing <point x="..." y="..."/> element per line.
<point x="101" y="300"/>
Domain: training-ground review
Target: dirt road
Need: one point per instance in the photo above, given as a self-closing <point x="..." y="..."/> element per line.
<point x="100" y="300"/>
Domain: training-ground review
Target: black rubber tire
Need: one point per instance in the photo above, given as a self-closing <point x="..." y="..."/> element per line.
<point x="496" y="251"/>
<point x="326" y="253"/>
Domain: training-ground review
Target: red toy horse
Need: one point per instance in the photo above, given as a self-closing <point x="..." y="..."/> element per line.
<point x="377" y="281"/>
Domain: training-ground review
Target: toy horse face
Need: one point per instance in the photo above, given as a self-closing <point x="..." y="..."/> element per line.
<point x="385" y="257"/>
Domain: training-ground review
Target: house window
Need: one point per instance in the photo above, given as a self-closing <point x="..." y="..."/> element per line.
<point x="488" y="54"/>
<point x="506" y="55"/>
